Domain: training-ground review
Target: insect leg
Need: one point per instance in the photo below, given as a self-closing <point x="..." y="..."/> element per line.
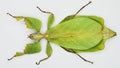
<point x="16" y="55"/>
<point x="44" y="11"/>
<point x="42" y="60"/>
<point x="10" y="15"/>
<point x="72" y="51"/>
<point x="29" y="49"/>
<point x="48" y="52"/>
<point x="50" y="18"/>
<point x="11" y="58"/>
<point x="16" y="17"/>
<point x="81" y="8"/>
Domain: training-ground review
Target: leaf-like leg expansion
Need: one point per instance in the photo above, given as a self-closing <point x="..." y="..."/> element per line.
<point x="48" y="52"/>
<point x="29" y="49"/>
<point x="51" y="18"/>
<point x="31" y="23"/>
<point x="72" y="51"/>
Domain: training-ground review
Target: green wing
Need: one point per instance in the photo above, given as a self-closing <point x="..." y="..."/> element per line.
<point x="107" y="33"/>
<point x="78" y="33"/>
<point x="95" y="18"/>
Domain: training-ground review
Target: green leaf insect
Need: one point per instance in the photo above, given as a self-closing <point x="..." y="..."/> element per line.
<point x="75" y="34"/>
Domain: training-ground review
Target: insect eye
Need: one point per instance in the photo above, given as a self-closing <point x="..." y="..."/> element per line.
<point x="30" y="36"/>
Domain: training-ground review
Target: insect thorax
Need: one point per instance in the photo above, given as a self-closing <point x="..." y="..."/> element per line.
<point x="37" y="36"/>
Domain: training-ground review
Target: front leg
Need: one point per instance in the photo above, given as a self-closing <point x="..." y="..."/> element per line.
<point x="51" y="18"/>
<point x="30" y="22"/>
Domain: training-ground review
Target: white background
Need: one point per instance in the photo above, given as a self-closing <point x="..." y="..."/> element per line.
<point x="13" y="34"/>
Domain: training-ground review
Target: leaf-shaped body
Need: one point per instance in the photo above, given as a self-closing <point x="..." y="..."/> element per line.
<point x="78" y="33"/>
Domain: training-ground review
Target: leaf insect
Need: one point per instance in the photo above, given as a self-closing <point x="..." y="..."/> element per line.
<point x="75" y="34"/>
